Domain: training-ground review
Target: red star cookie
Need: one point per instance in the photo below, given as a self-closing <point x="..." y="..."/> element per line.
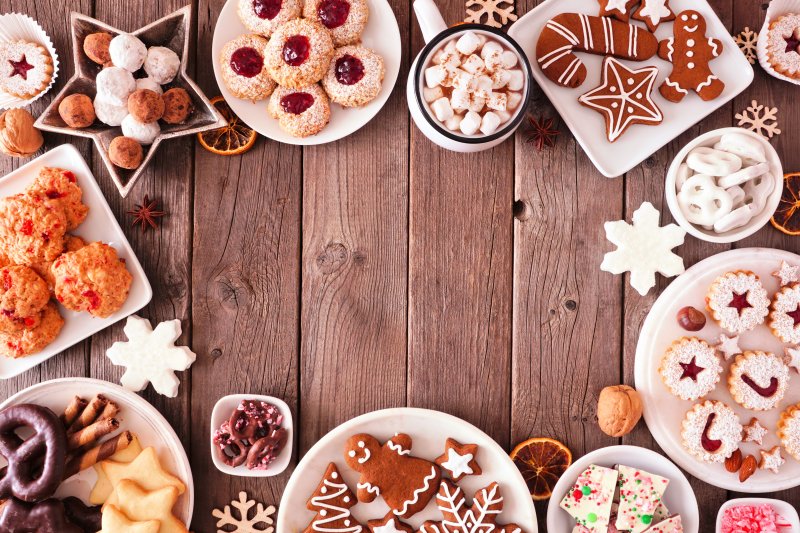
<point x="459" y="460"/>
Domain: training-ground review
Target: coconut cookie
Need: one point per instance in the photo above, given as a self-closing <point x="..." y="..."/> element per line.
<point x="690" y="368"/>
<point x="354" y="77"/>
<point x="264" y="16"/>
<point x="61" y="186"/>
<point x="243" y="69"/>
<point x="789" y="430"/>
<point x="784" y="320"/>
<point x="738" y="301"/>
<point x="300" y="112"/>
<point x="32" y="228"/>
<point x="23" y="295"/>
<point x="30" y="341"/>
<point x="758" y="380"/>
<point x="26" y="69"/>
<point x="711" y="431"/>
<point x="346" y="19"/>
<point x="299" y="53"/>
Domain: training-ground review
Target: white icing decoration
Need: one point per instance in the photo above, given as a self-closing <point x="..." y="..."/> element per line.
<point x="351" y="453"/>
<point x="417" y="493"/>
<point x="397" y="448"/>
<point x="337" y="513"/>
<point x="366" y="457"/>
<point x="388" y="527"/>
<point x="370" y="488"/>
<point x="457" y="464"/>
<point x="617" y="5"/>
<point x="655" y="10"/>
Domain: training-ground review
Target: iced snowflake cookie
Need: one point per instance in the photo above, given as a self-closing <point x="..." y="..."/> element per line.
<point x="758" y="380"/>
<point x="354" y="77"/>
<point x="783" y="45"/>
<point x="711" y="431"/>
<point x="264" y="16"/>
<point x="300" y="112"/>
<point x="30" y="341"/>
<point x="299" y="53"/>
<point x="789" y="430"/>
<point x="346" y="19"/>
<point x="784" y="319"/>
<point x="25" y="69"/>
<point x="243" y="70"/>
<point x="61" y="186"/>
<point x="738" y="301"/>
<point x="32" y="228"/>
<point x="690" y="368"/>
<point x="23" y="295"/>
<point x="93" y="279"/>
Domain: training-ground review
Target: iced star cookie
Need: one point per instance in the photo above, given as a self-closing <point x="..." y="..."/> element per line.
<point x="354" y="77"/>
<point x="690" y="368"/>
<point x="590" y="499"/>
<point x="711" y="431"/>
<point x="458" y="460"/>
<point x="738" y="301"/>
<point x="25" y="69"/>
<point x="30" y="341"/>
<point x="61" y="186"/>
<point x="243" y="69"/>
<point x="346" y="19"/>
<point x="389" y="524"/>
<point x="32" y="228"/>
<point x="758" y="380"/>
<point x="783" y="45"/>
<point x="784" y="319"/>
<point x="300" y="112"/>
<point x="92" y="279"/>
<point x="264" y="16"/>
<point x="299" y="53"/>
<point x="619" y="9"/>
<point x="789" y="430"/>
<point x="654" y="12"/>
<point x="640" y="495"/>
<point x="23" y="295"/>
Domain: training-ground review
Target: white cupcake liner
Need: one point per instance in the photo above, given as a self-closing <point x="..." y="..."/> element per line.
<point x="18" y="27"/>
<point x="775" y="10"/>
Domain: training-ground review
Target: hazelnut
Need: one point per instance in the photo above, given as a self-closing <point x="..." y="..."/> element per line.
<point x="145" y="105"/>
<point x="95" y="46"/>
<point x="18" y="137"/>
<point x="619" y="409"/>
<point x="77" y="111"/>
<point x="125" y="152"/>
<point x="749" y="466"/>
<point x="177" y="106"/>
<point x="691" y="319"/>
<point x="734" y="462"/>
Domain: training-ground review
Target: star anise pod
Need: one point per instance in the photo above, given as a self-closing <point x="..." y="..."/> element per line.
<point x="146" y="214"/>
<point x="543" y="133"/>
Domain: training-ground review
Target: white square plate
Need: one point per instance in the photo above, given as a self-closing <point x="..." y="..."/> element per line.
<point x="640" y="141"/>
<point x="100" y="225"/>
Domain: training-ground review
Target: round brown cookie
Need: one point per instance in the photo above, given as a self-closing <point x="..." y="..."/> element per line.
<point x="298" y="54"/>
<point x="32" y="228"/>
<point x="23" y="295"/>
<point x="61" y="186"/>
<point x="31" y="341"/>
<point x="92" y="279"/>
<point x="72" y="243"/>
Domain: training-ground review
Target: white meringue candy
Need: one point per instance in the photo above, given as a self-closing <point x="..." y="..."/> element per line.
<point x="490" y="123"/>
<point x="509" y="59"/>
<point x="442" y="109"/>
<point x="459" y="100"/>
<point x="161" y="64"/>
<point x="431" y="94"/>
<point x="115" y="84"/>
<point x="108" y="113"/>
<point x="127" y="52"/>
<point x="139" y="131"/>
<point x="473" y="64"/>
<point x="149" y="84"/>
<point x="471" y="123"/>
<point x="454" y="123"/>
<point x="497" y="102"/>
<point x="517" y="80"/>
<point x="468" y="43"/>
<point x="434" y="76"/>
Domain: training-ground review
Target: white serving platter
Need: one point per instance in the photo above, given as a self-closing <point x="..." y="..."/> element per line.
<point x="664" y="412"/>
<point x="100" y="225"/>
<point x="136" y="416"/>
<point x="429" y="430"/>
<point x="382" y="35"/>
<point x="679" y="496"/>
<point x="640" y="141"/>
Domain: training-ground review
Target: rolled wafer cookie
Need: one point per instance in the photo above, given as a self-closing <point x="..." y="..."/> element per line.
<point x="73" y="410"/>
<point x="89" y="413"/>
<point x="101" y="452"/>
<point x="92" y="433"/>
<point x="567" y="33"/>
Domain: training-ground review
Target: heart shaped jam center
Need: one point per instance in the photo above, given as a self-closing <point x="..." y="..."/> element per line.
<point x="767" y="391"/>
<point x="333" y="13"/>
<point x="297" y="103"/>
<point x="349" y="70"/>
<point x="709" y="444"/>
<point x="296" y="50"/>
<point x="267" y="9"/>
<point x="247" y="62"/>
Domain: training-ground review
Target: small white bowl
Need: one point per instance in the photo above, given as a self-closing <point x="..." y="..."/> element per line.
<point x="785" y="510"/>
<point x="222" y="412"/>
<point x="757" y="222"/>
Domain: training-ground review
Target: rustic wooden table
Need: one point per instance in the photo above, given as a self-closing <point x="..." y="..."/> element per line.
<point x="382" y="271"/>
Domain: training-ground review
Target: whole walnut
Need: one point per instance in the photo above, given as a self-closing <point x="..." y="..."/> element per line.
<point x="619" y="409"/>
<point x="18" y="137"/>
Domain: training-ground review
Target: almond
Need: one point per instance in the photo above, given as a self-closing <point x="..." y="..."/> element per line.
<point x="749" y="466"/>
<point x="734" y="462"/>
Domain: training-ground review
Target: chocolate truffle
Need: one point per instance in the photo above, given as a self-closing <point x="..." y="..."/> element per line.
<point x="145" y="105"/>
<point x="95" y="46"/>
<point x="177" y="106"/>
<point x="77" y="111"/>
<point x="125" y="152"/>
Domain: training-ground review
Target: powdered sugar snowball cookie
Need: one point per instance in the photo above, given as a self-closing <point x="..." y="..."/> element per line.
<point x="243" y="69"/>
<point x="789" y="430"/>
<point x="300" y="112"/>
<point x="109" y="113"/>
<point x="354" y="77"/>
<point x="758" y="380"/>
<point x="150" y="84"/>
<point x="299" y="53"/>
<point x="139" y="131"/>
<point x="784" y="319"/>
<point x="264" y="16"/>
<point x="711" y="431"/>
<point x="690" y="368"/>
<point x="26" y="69"/>
<point x="30" y="341"/>
<point x="783" y="45"/>
<point x="161" y="64"/>
<point x="115" y="84"/>
<point x="346" y="19"/>
<point x="127" y="51"/>
<point x="738" y="301"/>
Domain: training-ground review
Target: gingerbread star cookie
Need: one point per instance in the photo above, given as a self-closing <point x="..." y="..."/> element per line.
<point x="389" y="524"/>
<point x="654" y="12"/>
<point x="458" y="460"/>
<point x="114" y="521"/>
<point x="619" y="9"/>
<point x="141" y="505"/>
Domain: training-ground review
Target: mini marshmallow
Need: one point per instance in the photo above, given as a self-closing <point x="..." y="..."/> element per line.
<point x="490" y="49"/>
<point x="483" y="88"/>
<point x="509" y="59"/>
<point x="473" y="64"/>
<point x="742" y="145"/>
<point x="737" y="195"/>
<point x="441" y="108"/>
<point x="114" y="85"/>
<point x="150" y="84"/>
<point x="108" y="113"/>
<point x="434" y="76"/>
<point x="139" y="131"/>
<point x="500" y="78"/>
<point x="735" y="219"/>
<point x="161" y="64"/>
<point x="465" y="81"/>
<point x="514" y="99"/>
<point x="757" y="191"/>
<point x="684" y="173"/>
<point x="497" y="101"/>
<point x="470" y="123"/>
<point x="745" y="174"/>
<point x="450" y="60"/>
<point x="449" y="75"/>
<point x="431" y="94"/>
<point x="490" y="123"/>
<point x="505" y="116"/>
<point x="127" y="52"/>
<point x="450" y="47"/>
<point x="468" y="43"/>
<point x="459" y="100"/>
<point x="705" y="160"/>
<point x="454" y="122"/>
<point x="517" y="80"/>
<point x="477" y="104"/>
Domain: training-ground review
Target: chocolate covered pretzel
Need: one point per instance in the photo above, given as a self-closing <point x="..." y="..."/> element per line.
<point x="47" y="516"/>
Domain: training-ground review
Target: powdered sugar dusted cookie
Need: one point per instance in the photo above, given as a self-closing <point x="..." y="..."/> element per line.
<point x="738" y="301"/>
<point x="25" y="69"/>
<point x="784" y="319"/>
<point x="711" y="431"/>
<point x="690" y="368"/>
<point x="458" y="460"/>
<point x="758" y="380"/>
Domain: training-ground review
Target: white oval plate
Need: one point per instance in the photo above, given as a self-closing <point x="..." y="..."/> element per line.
<point x="428" y="430"/>
<point x="136" y="415"/>
<point x="679" y="497"/>
<point x="381" y="34"/>
<point x="664" y="412"/>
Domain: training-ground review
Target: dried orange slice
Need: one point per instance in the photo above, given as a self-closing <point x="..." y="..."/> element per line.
<point x="235" y="138"/>
<point x="787" y="216"/>
<point x="541" y="461"/>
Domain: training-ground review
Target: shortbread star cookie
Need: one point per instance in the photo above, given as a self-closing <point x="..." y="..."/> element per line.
<point x="145" y="470"/>
<point x="103" y="487"/>
<point x="142" y="505"/>
<point x="728" y="346"/>
<point x="754" y="432"/>
<point x="114" y="521"/>
<point x="787" y="273"/>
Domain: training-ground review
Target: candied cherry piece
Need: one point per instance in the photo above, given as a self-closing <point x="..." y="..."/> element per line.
<point x="691" y="370"/>
<point x="296" y="50"/>
<point x="93" y="297"/>
<point x="297" y="103"/>
<point x="767" y="391"/>
<point x="20" y="68"/>
<point x="708" y="443"/>
<point x="247" y="62"/>
<point x="333" y="13"/>
<point x="349" y="70"/>
<point x="267" y="9"/>
<point x="739" y="302"/>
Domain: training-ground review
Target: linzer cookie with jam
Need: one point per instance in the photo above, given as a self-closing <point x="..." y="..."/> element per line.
<point x="738" y="301"/>
<point x="25" y="69"/>
<point x="345" y="19"/>
<point x="264" y="16"/>
<point x="354" y="77"/>
<point x="690" y="368"/>
<point x="784" y="319"/>
<point x="711" y="431"/>
<point x="789" y="430"/>
<point x="299" y="53"/>
<point x="301" y="112"/>
<point x="758" y="380"/>
<point x="243" y="69"/>
<point x="783" y="45"/>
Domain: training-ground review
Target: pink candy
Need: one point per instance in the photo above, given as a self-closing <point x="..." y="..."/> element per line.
<point x="751" y="519"/>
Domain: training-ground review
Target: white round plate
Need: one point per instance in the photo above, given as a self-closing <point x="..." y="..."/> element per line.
<point x="428" y="430"/>
<point x="679" y="496"/>
<point x="381" y="34"/>
<point x="136" y="415"/>
<point x="664" y="412"/>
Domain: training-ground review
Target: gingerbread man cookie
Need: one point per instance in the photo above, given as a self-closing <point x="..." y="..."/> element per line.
<point x="404" y="482"/>
<point x="690" y="52"/>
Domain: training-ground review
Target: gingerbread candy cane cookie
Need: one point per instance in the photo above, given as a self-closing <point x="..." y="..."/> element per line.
<point x="569" y="32"/>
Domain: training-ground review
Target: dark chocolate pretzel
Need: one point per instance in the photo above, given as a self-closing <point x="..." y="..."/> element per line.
<point x="47" y="516"/>
<point x="89" y="519"/>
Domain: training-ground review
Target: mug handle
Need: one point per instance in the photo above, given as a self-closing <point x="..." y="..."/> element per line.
<point x="429" y="18"/>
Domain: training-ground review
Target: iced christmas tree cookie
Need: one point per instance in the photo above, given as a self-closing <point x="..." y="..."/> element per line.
<point x="711" y="431"/>
<point x="738" y="301"/>
<point x="690" y="368"/>
<point x="590" y="498"/>
<point x="640" y="494"/>
<point x="789" y="430"/>
<point x="784" y="320"/>
<point x="758" y="380"/>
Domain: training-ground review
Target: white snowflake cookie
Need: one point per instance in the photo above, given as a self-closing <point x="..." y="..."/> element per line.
<point x="150" y="356"/>
<point x="711" y="431"/>
<point x="784" y="320"/>
<point x="690" y="368"/>
<point x="758" y="380"/>
<point x="789" y="430"/>
<point x="738" y="301"/>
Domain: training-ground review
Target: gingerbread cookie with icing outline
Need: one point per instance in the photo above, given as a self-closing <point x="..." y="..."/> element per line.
<point x="653" y="13"/>
<point x="619" y="9"/>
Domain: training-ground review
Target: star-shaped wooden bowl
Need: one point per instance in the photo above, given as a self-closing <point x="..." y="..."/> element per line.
<point x="171" y="31"/>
